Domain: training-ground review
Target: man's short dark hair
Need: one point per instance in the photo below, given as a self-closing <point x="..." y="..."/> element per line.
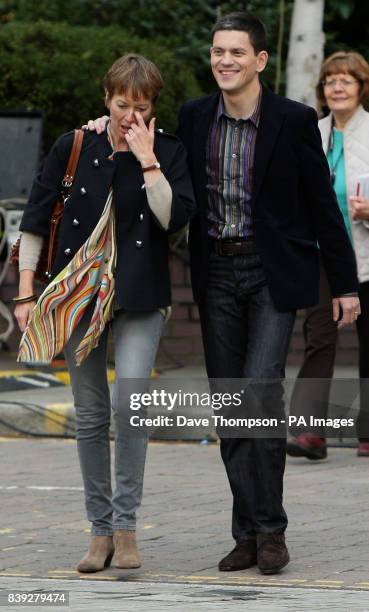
<point x="243" y="21"/>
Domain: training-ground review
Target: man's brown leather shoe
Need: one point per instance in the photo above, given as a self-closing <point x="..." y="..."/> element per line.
<point x="272" y="552"/>
<point x="241" y="557"/>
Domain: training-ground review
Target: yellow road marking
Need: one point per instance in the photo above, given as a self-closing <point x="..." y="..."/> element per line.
<point x="322" y="586"/>
<point x="6" y="373"/>
<point x="161" y="575"/>
<point x="144" y="578"/>
<point x="15" y="574"/>
<point x="250" y="581"/>
<point x="236" y="580"/>
<point x="200" y="578"/>
<point x="64" y="571"/>
<point x="330" y="581"/>
<point x="362" y="588"/>
<point x="89" y="577"/>
<point x="63" y="576"/>
<point x="55" y="421"/>
<point x="62" y="377"/>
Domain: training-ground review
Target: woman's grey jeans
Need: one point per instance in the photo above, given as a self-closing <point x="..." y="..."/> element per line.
<point x="136" y="340"/>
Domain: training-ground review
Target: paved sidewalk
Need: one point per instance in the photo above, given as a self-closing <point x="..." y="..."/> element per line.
<point x="184" y="523"/>
<point x="97" y="596"/>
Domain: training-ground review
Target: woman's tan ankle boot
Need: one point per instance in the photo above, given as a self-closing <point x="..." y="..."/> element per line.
<point x="126" y="555"/>
<point x="98" y="556"/>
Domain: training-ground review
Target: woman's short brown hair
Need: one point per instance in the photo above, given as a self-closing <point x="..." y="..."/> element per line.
<point x="135" y="74"/>
<point x="346" y="62"/>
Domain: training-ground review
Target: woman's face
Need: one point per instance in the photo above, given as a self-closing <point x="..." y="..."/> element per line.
<point x="342" y="92"/>
<point x="122" y="112"/>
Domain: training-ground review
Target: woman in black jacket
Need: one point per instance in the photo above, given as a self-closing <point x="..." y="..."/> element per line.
<point x="145" y="172"/>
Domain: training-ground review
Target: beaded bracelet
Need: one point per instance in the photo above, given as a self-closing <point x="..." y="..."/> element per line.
<point x="24" y="300"/>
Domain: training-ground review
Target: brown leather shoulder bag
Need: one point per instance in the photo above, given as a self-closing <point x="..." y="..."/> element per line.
<point x="48" y="252"/>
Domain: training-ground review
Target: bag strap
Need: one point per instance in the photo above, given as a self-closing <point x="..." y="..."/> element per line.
<point x="73" y="159"/>
<point x="67" y="183"/>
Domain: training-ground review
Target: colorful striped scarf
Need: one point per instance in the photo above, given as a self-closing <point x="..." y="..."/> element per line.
<point x="61" y="306"/>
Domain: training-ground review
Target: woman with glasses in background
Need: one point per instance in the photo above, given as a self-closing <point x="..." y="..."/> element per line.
<point x="342" y="88"/>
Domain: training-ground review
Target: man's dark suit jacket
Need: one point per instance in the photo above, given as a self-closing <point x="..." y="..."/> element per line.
<point x="293" y="203"/>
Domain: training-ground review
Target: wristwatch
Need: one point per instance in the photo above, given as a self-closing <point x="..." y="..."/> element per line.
<point x="153" y="166"/>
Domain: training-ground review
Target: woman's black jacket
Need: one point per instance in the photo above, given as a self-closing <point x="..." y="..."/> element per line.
<point x="142" y="274"/>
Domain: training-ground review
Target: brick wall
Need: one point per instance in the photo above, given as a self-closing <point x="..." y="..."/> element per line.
<point x="181" y="343"/>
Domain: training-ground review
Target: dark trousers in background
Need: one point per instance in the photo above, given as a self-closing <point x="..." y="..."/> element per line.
<point x="362" y="326"/>
<point x="320" y="334"/>
<point x="246" y="337"/>
<point x="311" y="397"/>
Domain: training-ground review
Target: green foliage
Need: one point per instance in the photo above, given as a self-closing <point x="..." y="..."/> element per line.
<point x="182" y="26"/>
<point x="59" y="69"/>
<point x="54" y="53"/>
<point x="339" y="8"/>
<point x="143" y="16"/>
<point x="346" y="25"/>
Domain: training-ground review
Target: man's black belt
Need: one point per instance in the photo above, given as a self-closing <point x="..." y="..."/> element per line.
<point x="234" y="247"/>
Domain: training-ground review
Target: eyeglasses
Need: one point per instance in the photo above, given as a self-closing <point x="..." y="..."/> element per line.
<point x="329" y="83"/>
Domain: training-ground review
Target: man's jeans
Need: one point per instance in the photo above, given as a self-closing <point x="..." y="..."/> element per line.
<point x="136" y="340"/>
<point x="246" y="337"/>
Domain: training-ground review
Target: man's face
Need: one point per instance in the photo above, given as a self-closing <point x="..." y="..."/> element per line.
<point x="234" y="62"/>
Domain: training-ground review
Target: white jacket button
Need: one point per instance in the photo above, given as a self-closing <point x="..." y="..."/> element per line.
<point x="83" y="191"/>
<point x="67" y="251"/>
<point x="75" y="222"/>
<point x="139" y="244"/>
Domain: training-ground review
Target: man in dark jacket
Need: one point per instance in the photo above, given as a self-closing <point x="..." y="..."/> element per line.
<point x="264" y="201"/>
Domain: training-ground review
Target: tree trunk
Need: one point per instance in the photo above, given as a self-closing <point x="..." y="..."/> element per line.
<point x="305" y="53"/>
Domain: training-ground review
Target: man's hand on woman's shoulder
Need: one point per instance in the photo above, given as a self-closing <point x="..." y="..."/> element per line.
<point x="97" y="125"/>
